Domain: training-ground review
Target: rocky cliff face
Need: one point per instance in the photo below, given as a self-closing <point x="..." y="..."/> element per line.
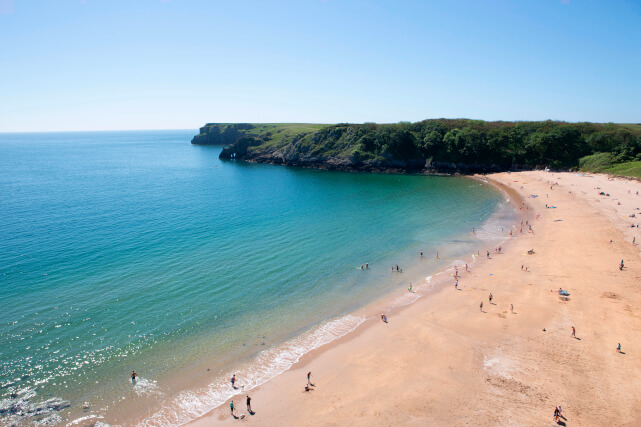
<point x="220" y="133"/>
<point x="316" y="146"/>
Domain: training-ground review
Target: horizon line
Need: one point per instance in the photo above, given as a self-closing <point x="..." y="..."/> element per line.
<point x="312" y="123"/>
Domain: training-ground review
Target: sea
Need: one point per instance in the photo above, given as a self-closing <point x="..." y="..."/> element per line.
<point x="135" y="250"/>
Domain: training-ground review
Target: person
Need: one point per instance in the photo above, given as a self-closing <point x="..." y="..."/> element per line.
<point x="466" y="268"/>
<point x="619" y="348"/>
<point x="231" y="407"/>
<point x="481" y="305"/>
<point x="421" y="254"/>
<point x="410" y="288"/>
<point x="361" y="266"/>
<point x="521" y="266"/>
<point x="488" y="254"/>
<point x="384" y="318"/>
<point x="249" y="404"/>
<point x="456" y="284"/>
<point x="490" y="298"/>
<point x="512" y="308"/>
<point x="366" y="266"/>
<point x="133" y="377"/>
<point x="556" y="414"/>
<point x="573" y="332"/>
<point x="233" y="381"/>
<point x="309" y="378"/>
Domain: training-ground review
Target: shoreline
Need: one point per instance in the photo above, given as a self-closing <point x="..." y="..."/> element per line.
<point x="370" y="375"/>
<point x="391" y="302"/>
<point x="388" y="303"/>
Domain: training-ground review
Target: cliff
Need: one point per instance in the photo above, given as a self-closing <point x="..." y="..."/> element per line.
<point x="220" y="133"/>
<point x="439" y="145"/>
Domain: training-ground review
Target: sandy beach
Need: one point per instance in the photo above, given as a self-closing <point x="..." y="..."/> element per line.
<point x="444" y="361"/>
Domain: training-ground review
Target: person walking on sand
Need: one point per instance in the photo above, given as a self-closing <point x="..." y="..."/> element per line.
<point x="456" y="285"/>
<point x="466" y="268"/>
<point x="512" y="308"/>
<point x="490" y="298"/>
<point x="249" y="404"/>
<point x="233" y="381"/>
<point x="573" y="332"/>
<point x="309" y="378"/>
<point x="231" y="407"/>
<point x="619" y="348"/>
<point x="481" y="305"/>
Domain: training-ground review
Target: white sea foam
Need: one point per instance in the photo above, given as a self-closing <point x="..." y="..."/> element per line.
<point x="82" y="420"/>
<point x="269" y="363"/>
<point x="496" y="226"/>
<point x="145" y="387"/>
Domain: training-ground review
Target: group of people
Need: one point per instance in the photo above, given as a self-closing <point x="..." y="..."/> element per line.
<point x="308" y="386"/>
<point x="231" y="402"/>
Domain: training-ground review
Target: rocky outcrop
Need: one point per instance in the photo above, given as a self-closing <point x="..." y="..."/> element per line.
<point x="221" y="133"/>
<point x="331" y="147"/>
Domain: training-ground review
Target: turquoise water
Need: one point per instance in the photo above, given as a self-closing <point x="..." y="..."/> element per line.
<point x="137" y="250"/>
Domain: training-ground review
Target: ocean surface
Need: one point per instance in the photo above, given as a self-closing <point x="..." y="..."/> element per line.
<point x="124" y="251"/>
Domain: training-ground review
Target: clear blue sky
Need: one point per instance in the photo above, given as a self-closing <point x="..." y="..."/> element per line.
<point x="174" y="64"/>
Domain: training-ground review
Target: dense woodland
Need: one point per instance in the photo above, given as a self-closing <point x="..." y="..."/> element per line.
<point x="554" y="144"/>
<point x="472" y="144"/>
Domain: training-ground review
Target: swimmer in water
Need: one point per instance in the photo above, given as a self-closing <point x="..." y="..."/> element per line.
<point x="133" y="377"/>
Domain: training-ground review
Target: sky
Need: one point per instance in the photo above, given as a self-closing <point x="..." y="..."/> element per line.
<point x="177" y="64"/>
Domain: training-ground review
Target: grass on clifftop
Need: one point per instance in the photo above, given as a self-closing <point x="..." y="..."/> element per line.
<point x="632" y="169"/>
<point x="279" y="131"/>
<point x="608" y="163"/>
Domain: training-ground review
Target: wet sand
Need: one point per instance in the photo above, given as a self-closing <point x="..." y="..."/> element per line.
<point x="443" y="361"/>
